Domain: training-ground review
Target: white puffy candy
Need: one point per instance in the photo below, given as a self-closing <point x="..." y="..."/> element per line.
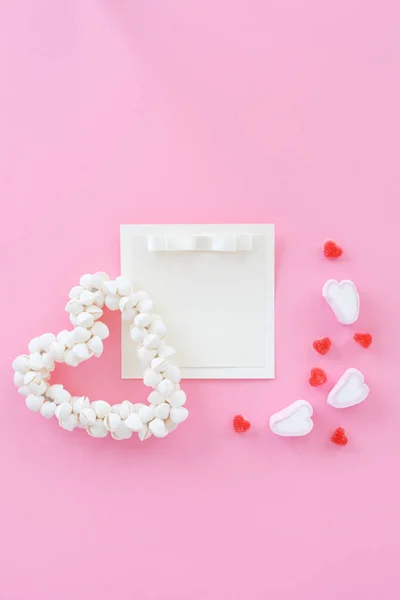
<point x="60" y="395"/>
<point x="127" y="302"/>
<point x="147" y="413"/>
<point x="122" y="432"/>
<point x="129" y="314"/>
<point x="293" y="421"/>
<point x="24" y="390"/>
<point x="144" y="433"/>
<point x="32" y="376"/>
<point x="344" y="300"/>
<point x="138" y="334"/>
<point x="151" y="341"/>
<point x="172" y="373"/>
<point x="170" y="425"/>
<point x="159" y="364"/>
<point x="158" y="328"/>
<point x="81" y="351"/>
<point x="100" y="330"/>
<point x="95" y="311"/>
<point x="71" y="359"/>
<point x="34" y="402"/>
<point x="112" y="302"/>
<point x="151" y="378"/>
<point x="97" y="280"/>
<point x="98" y="430"/>
<point x="112" y="421"/>
<point x="95" y="344"/>
<point x="142" y="320"/>
<point x="85" y="319"/>
<point x="21" y="363"/>
<point x="86" y="281"/>
<point x="145" y="305"/>
<point x="99" y="299"/>
<point x="166" y="387"/>
<point x="162" y="411"/>
<point x="63" y="410"/>
<point x="110" y="288"/>
<point x="34" y="345"/>
<point x="57" y="350"/>
<point x="156" y="398"/>
<point x="75" y="292"/>
<point x="165" y="351"/>
<point x="45" y="341"/>
<point x="74" y="307"/>
<point x="123" y="286"/>
<point x="48" y="409"/>
<point x="35" y="361"/>
<point x="48" y="359"/>
<point x="177" y="398"/>
<point x="134" y="422"/>
<point x="86" y="298"/>
<point x="157" y="428"/>
<point x="63" y="336"/>
<point x="178" y="415"/>
<point x="19" y="379"/>
<point x="69" y="422"/>
<point x="81" y="334"/>
<point x="79" y="403"/>
<point x="125" y="409"/>
<point x="87" y="417"/>
<point x="146" y="355"/>
<point x="102" y="408"/>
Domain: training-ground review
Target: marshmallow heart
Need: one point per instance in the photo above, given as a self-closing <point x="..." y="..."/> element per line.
<point x="343" y="299"/>
<point x="349" y="390"/>
<point x="294" y="420"/>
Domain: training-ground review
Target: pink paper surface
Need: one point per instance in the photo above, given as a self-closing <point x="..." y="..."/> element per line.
<point x="118" y="111"/>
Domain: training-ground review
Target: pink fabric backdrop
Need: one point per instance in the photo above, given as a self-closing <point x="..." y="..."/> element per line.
<point x="119" y="111"/>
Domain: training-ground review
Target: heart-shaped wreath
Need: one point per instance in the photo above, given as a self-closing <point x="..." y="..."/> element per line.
<point x="85" y="307"/>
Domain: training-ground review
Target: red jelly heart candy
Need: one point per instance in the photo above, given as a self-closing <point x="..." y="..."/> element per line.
<point x="339" y="437"/>
<point x="318" y="377"/>
<point x="240" y="424"/>
<point x="332" y="250"/>
<point x="364" y="339"/>
<point x="322" y="346"/>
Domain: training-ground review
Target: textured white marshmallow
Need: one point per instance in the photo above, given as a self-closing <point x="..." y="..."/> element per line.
<point x="95" y="344"/>
<point x="34" y="402"/>
<point x="98" y="430"/>
<point x="151" y="341"/>
<point x="48" y="409"/>
<point x="142" y="320"/>
<point x="157" y="428"/>
<point x="102" y="408"/>
<point x="79" y="403"/>
<point x="87" y="417"/>
<point x="138" y="334"/>
<point x="112" y="302"/>
<point x="144" y="433"/>
<point x="86" y="281"/>
<point x="63" y="410"/>
<point x="34" y="345"/>
<point x="112" y="421"/>
<point x="86" y="298"/>
<point x="69" y="422"/>
<point x="100" y="330"/>
<point x="74" y="307"/>
<point x="178" y="415"/>
<point x="162" y="411"/>
<point x="173" y="373"/>
<point x="81" y="334"/>
<point x="35" y="361"/>
<point x="85" y="319"/>
<point x="166" y="387"/>
<point x="147" y="413"/>
<point x="177" y="398"/>
<point x="134" y="422"/>
<point x="124" y="287"/>
<point x="110" y="288"/>
<point x="151" y="378"/>
<point x="81" y="351"/>
<point x="71" y="359"/>
<point x="146" y="355"/>
<point x="158" y="328"/>
<point x="21" y="363"/>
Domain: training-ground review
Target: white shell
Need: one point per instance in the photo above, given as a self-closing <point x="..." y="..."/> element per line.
<point x="144" y="433"/>
<point x="142" y="320"/>
<point x="86" y="298"/>
<point x="81" y="351"/>
<point x="172" y="373"/>
<point x="74" y="307"/>
<point x="34" y="345"/>
<point x="146" y="355"/>
<point x="110" y="288"/>
<point x="63" y="410"/>
<point x="122" y="432"/>
<point x="158" y="328"/>
<point x="79" y="403"/>
<point x="35" y="361"/>
<point x="75" y="292"/>
<point x="86" y="281"/>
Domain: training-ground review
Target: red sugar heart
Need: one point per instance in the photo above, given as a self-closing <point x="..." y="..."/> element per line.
<point x="332" y="250"/>
<point x="364" y="339"/>
<point x="318" y="377"/>
<point x="323" y="345"/>
<point x="240" y="424"/>
<point x="339" y="437"/>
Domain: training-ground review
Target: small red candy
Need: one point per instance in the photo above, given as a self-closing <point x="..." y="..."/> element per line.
<point x="364" y="339"/>
<point x="323" y="345"/>
<point x="318" y="377"/>
<point x="339" y="437"/>
<point x="240" y="424"/>
<point x="332" y="250"/>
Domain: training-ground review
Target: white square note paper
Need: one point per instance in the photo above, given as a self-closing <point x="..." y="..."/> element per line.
<point x="213" y="286"/>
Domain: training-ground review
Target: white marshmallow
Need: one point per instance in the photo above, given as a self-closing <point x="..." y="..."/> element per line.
<point x="81" y="334"/>
<point x="166" y="387"/>
<point x="75" y="292"/>
<point x="134" y="422"/>
<point x="79" y="403"/>
<point x="34" y="345"/>
<point x="110" y="288"/>
<point x="98" y="430"/>
<point x="112" y="421"/>
<point x="172" y="373"/>
<point x="112" y="302"/>
<point x="35" y="361"/>
<point x="124" y="287"/>
<point x="138" y="334"/>
<point x="142" y="320"/>
<point x="86" y="281"/>
<point x="343" y="299"/>
<point x="158" y="328"/>
<point x="293" y="421"/>
<point x="147" y="413"/>
<point x="177" y="398"/>
<point x="156" y="398"/>
<point x="87" y="417"/>
<point x="144" y="433"/>
<point x="34" y="402"/>
<point x="178" y="415"/>
<point x="349" y="390"/>
<point x="151" y="341"/>
<point x="71" y="359"/>
<point x="81" y="351"/>
<point x="157" y="428"/>
<point x="48" y="409"/>
<point x="74" y="307"/>
<point x="102" y="408"/>
<point x="85" y="319"/>
<point x="20" y="364"/>
<point x="151" y="378"/>
<point x="95" y="344"/>
<point x="162" y="411"/>
<point x="100" y="330"/>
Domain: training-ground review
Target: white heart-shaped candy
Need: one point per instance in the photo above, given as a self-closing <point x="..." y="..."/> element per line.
<point x="294" y="420"/>
<point x="151" y="378"/>
<point x="166" y="387"/>
<point x="146" y="413"/>
<point x="134" y="422"/>
<point x="178" y="415"/>
<point x="162" y="410"/>
<point x="157" y="428"/>
<point x="343" y="299"/>
<point x="349" y="390"/>
<point x="177" y="398"/>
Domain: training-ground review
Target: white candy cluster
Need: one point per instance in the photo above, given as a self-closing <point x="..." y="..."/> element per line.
<point x="85" y="307"/>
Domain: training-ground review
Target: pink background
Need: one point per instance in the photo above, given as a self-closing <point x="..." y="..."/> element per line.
<point x="118" y="111"/>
